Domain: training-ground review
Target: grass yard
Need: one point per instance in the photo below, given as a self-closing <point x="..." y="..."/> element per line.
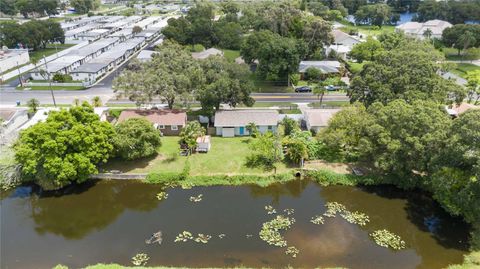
<point x="231" y="55"/>
<point x="49" y="50"/>
<point x="451" y="54"/>
<point x="356" y="67"/>
<point x="368" y="29"/>
<point x="462" y="69"/>
<point x="227" y="156"/>
<point x="55" y="88"/>
<point x="329" y="104"/>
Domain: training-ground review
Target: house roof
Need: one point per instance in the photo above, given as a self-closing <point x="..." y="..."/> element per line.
<point x="323" y="66"/>
<point x="90" y="68"/>
<point x="238" y="118"/>
<point x="207" y="53"/>
<point x="161" y="117"/>
<point x="436" y="26"/>
<point x="319" y="117"/>
<point x="459" y="109"/>
<point x="340" y="37"/>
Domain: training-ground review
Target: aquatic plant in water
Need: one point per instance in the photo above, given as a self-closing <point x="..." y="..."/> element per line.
<point x="270" y="210"/>
<point x="162" y="196"/>
<point x="270" y="231"/>
<point x="202" y="238"/>
<point x="355" y="217"/>
<point x="289" y="211"/>
<point x="155" y="238"/>
<point x="293" y="251"/>
<point x="387" y="239"/>
<point x="184" y="237"/>
<point x="221" y="236"/>
<point x="186" y="185"/>
<point x="317" y="220"/>
<point x="196" y="199"/>
<point x="140" y="259"/>
<point x="333" y="208"/>
<point x="249" y="235"/>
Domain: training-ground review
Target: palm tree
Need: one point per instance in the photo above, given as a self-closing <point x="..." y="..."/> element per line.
<point x="96" y="101"/>
<point x="427" y="33"/>
<point x="33" y="104"/>
<point x="319" y="90"/>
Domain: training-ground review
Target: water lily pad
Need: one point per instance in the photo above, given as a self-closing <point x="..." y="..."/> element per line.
<point x="270" y="210"/>
<point x="388" y="239"/>
<point x="196" y="199"/>
<point x="202" y="238"/>
<point x="270" y="231"/>
<point x="317" y="220"/>
<point x="221" y="236"/>
<point x="162" y="196"/>
<point x="140" y="259"/>
<point x="289" y="211"/>
<point x="333" y="208"/>
<point x="184" y="237"/>
<point x="292" y="251"/>
<point x="355" y="217"/>
<point x="155" y="238"/>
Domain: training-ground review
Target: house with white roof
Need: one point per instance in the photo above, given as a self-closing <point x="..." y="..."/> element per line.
<point x="316" y="119"/>
<point x="342" y="43"/>
<point x="325" y="67"/>
<point x="418" y="29"/>
<point x="230" y="123"/>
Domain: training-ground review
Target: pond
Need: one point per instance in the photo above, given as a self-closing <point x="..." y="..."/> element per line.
<point x="109" y="221"/>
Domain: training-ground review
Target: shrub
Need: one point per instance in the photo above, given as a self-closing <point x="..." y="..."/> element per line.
<point x="136" y="138"/>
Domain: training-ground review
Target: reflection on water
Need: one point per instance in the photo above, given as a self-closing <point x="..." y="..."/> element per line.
<point x="108" y="221"/>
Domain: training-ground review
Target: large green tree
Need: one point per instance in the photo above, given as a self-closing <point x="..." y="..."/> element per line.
<point x="225" y="82"/>
<point x="366" y="51"/>
<point x="84" y="6"/>
<point x="136" y="138"/>
<point x="190" y="133"/>
<point x="33" y="34"/>
<point x="266" y="152"/>
<point x="409" y="72"/>
<point x="172" y="75"/>
<point x="65" y="148"/>
<point x="376" y="14"/>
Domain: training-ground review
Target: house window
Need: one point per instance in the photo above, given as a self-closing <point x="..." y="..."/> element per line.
<point x="270" y="127"/>
<point x="161" y="127"/>
<point x="174" y="127"/>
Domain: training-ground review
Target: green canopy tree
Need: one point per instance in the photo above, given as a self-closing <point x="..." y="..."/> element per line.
<point x="136" y="138"/>
<point x="65" y="148"/>
<point x="266" y="152"/>
<point x="366" y="51"/>
<point x="473" y="86"/>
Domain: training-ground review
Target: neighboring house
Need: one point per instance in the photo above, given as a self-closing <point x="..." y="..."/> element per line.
<point x="316" y="119"/>
<point x="326" y="67"/>
<point x="417" y="29"/>
<point x="344" y="39"/>
<point x="207" y="53"/>
<point x="457" y="110"/>
<point x="342" y="44"/>
<point x="169" y="122"/>
<point x="229" y="123"/>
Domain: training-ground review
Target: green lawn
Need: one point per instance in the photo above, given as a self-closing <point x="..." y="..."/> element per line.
<point x="55" y="88"/>
<point x="231" y="55"/>
<point x="49" y="50"/>
<point x="462" y="69"/>
<point x="227" y="156"/>
<point x="329" y="104"/>
<point x="452" y="55"/>
<point x="368" y="29"/>
<point x="356" y="67"/>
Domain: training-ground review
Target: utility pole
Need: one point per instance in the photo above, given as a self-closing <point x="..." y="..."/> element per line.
<point x="19" y="75"/>
<point x="50" y="82"/>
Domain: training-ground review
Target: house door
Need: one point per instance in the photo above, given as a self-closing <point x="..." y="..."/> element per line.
<point x="242" y="130"/>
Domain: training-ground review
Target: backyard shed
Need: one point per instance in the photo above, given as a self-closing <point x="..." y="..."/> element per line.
<point x="203" y="143"/>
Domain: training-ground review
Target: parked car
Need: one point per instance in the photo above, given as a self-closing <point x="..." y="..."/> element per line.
<point x="333" y="88"/>
<point x="303" y="89"/>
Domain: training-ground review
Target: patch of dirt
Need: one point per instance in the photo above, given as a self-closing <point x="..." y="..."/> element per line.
<point x="341" y="168"/>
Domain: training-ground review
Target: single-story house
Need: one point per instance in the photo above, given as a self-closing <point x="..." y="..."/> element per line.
<point x="229" y="123"/>
<point x="457" y="110"/>
<point x="316" y="119"/>
<point x="417" y="29"/>
<point x="342" y="38"/>
<point x="168" y="122"/>
<point x="325" y="67"/>
<point x="146" y="55"/>
<point x="207" y="53"/>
